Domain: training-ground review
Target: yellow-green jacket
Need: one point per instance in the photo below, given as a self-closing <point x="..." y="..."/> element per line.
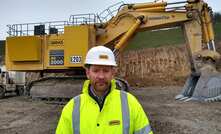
<point x="121" y="114"/>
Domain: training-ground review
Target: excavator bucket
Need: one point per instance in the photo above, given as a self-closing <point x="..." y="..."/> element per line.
<point x="204" y="87"/>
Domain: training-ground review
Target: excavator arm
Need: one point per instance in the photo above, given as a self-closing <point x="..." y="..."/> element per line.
<point x="194" y="18"/>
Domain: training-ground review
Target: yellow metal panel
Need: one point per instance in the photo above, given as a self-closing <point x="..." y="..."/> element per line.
<point x="76" y="43"/>
<point x="24" y="66"/>
<point x="26" y="48"/>
<point x="15" y="46"/>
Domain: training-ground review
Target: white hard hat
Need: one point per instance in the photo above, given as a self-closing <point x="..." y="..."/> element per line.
<point x="100" y="55"/>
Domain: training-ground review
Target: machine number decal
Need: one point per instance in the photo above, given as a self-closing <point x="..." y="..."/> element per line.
<point x="76" y="59"/>
<point x="56" y="57"/>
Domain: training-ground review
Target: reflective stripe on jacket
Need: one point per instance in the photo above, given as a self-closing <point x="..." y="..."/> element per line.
<point x="121" y="114"/>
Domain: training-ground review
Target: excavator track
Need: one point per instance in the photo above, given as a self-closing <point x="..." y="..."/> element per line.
<point x="61" y="89"/>
<point x="55" y="88"/>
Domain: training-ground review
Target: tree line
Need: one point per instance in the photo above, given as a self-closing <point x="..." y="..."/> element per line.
<point x="217" y="17"/>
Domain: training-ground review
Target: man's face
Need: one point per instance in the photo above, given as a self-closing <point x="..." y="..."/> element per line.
<point x="100" y="76"/>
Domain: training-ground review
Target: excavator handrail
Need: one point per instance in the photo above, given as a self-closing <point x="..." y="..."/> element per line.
<point x="109" y="12"/>
<point x="27" y="29"/>
<point x="78" y="19"/>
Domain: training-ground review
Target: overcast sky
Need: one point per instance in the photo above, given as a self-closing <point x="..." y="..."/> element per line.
<point x="27" y="11"/>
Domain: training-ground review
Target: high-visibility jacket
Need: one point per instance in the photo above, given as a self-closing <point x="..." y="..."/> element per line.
<point x="121" y="114"/>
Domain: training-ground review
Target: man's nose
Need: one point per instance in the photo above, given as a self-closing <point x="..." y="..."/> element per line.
<point x="101" y="75"/>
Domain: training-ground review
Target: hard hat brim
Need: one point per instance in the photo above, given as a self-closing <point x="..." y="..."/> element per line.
<point x="101" y="63"/>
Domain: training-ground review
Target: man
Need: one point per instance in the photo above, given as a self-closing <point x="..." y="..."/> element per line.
<point x="101" y="108"/>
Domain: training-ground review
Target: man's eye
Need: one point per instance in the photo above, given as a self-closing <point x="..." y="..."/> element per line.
<point x="95" y="70"/>
<point x="106" y="70"/>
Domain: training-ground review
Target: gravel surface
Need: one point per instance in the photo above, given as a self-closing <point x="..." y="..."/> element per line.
<point x="22" y="115"/>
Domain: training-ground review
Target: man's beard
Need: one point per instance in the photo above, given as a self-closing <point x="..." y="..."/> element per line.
<point x="101" y="85"/>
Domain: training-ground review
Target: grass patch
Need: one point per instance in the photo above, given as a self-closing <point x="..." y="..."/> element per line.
<point x="153" y="39"/>
<point x="2" y="47"/>
<point x="171" y="37"/>
<point x="217" y="31"/>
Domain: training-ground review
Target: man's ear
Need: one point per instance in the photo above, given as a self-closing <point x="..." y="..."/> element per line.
<point x="114" y="69"/>
<point x="87" y="72"/>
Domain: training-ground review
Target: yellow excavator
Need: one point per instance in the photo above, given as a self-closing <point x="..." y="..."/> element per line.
<point x="61" y="46"/>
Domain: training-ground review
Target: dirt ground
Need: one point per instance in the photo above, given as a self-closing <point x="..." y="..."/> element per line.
<point x="22" y="115"/>
<point x="168" y="116"/>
